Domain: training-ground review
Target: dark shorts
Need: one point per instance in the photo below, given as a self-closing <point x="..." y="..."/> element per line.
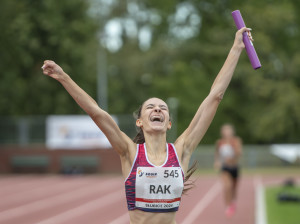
<point x="232" y="170"/>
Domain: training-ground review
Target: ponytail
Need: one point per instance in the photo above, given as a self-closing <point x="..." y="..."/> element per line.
<point x="139" y="138"/>
<point x="189" y="184"/>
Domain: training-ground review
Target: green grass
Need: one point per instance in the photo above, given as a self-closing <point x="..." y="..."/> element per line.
<point x="282" y="212"/>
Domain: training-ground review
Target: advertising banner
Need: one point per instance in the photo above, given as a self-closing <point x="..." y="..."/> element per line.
<point x="74" y="132"/>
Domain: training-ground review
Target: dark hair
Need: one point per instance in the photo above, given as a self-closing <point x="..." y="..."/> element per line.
<point x="140" y="139"/>
<point x="189" y="184"/>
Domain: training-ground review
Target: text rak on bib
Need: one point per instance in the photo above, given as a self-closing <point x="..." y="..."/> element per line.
<point x="158" y="187"/>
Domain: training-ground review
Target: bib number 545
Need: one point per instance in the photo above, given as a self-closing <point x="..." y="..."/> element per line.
<point x="171" y="173"/>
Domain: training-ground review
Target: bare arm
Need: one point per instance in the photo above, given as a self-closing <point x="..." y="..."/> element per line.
<point x="238" y="148"/>
<point x="217" y="157"/>
<point x="103" y="120"/>
<point x="192" y="136"/>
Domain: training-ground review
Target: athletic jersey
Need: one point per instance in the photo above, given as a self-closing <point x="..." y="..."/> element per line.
<point x="226" y="151"/>
<point x="153" y="188"/>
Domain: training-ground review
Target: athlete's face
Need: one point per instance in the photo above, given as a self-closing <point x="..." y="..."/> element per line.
<point x="154" y="116"/>
<point x="227" y="131"/>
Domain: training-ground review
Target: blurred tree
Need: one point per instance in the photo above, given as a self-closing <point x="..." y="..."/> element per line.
<point x="188" y="44"/>
<point x="156" y="48"/>
<point x="32" y="31"/>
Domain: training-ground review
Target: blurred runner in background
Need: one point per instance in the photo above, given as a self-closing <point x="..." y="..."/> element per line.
<point x="227" y="155"/>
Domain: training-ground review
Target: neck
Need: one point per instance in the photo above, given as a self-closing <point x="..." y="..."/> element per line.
<point x="155" y="143"/>
<point x="227" y="138"/>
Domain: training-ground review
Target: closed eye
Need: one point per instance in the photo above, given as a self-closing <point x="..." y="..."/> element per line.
<point x="149" y="106"/>
<point x="163" y="107"/>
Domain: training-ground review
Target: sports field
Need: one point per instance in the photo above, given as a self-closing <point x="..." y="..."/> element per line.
<point x="29" y="199"/>
<point x="287" y="212"/>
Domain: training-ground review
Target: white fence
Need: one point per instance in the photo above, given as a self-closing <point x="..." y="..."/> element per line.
<point x="29" y="130"/>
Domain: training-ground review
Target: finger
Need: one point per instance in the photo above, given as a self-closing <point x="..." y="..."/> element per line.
<point x="45" y="66"/>
<point x="47" y="61"/>
<point x="250" y="35"/>
<point x="48" y="64"/>
<point x="46" y="71"/>
<point x="244" y="29"/>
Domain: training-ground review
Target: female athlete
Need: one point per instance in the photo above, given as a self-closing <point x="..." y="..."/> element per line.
<point x="154" y="170"/>
<point x="228" y="151"/>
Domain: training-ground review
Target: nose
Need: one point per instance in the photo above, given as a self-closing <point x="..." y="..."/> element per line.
<point x="157" y="109"/>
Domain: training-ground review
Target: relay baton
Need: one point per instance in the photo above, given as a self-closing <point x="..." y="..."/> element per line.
<point x="239" y="22"/>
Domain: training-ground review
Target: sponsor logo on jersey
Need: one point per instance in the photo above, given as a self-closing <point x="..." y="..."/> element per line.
<point x="140" y="173"/>
<point x="151" y="175"/>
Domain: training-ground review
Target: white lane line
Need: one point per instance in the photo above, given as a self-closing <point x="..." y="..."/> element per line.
<point x="123" y="219"/>
<point x="260" y="206"/>
<point x="202" y="204"/>
<point x="53" y="201"/>
<point x="90" y="206"/>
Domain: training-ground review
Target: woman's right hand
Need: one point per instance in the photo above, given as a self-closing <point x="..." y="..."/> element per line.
<point x="53" y="70"/>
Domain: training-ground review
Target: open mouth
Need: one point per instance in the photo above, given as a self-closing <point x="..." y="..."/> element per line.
<point x="157" y="118"/>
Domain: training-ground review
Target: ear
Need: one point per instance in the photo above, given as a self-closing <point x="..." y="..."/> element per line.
<point x="139" y="123"/>
<point x="169" y="125"/>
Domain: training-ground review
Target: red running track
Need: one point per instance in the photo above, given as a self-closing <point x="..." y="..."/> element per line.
<point x="101" y="199"/>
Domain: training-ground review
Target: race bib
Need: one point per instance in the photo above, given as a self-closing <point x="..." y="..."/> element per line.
<point x="158" y="187"/>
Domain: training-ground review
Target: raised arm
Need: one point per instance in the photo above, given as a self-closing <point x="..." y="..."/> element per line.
<point x="119" y="140"/>
<point x="191" y="137"/>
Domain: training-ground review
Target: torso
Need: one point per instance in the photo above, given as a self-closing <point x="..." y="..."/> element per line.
<point x="154" y="192"/>
<point x="227" y="151"/>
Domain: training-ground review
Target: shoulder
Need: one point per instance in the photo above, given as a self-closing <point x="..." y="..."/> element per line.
<point x="218" y="143"/>
<point x="238" y="140"/>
